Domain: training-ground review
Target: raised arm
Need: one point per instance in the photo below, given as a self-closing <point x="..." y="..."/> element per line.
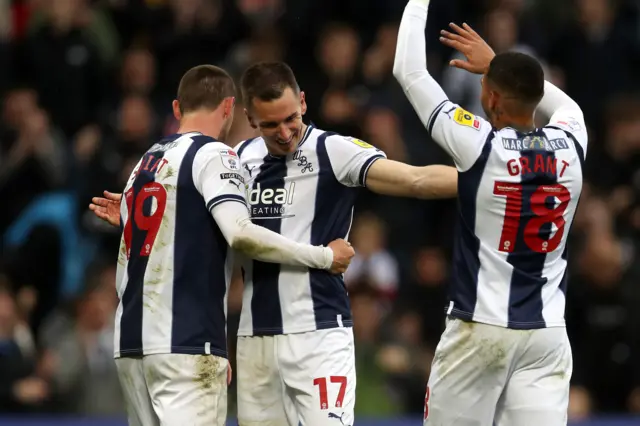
<point x="390" y="177"/>
<point x="458" y="132"/>
<point x="555" y="100"/>
<point x="410" y="65"/>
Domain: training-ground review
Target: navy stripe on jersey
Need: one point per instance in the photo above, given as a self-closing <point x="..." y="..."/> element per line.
<point x="434" y="116"/>
<point x="244" y="146"/>
<point x="227" y="197"/>
<point x="362" y="177"/>
<point x="525" y="296"/>
<point x="332" y="219"/>
<point x="132" y="306"/>
<point x="266" y="299"/>
<point x="199" y="281"/>
<point x="466" y="263"/>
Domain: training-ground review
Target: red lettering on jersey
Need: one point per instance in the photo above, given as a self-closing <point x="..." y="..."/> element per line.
<point x="539" y="164"/>
<point x="513" y="168"/>
<point x="521" y="166"/>
<point x="158" y="165"/>
<point x="146" y="166"/>
<point x="551" y="165"/>
<point x="524" y="162"/>
<point x="150" y="165"/>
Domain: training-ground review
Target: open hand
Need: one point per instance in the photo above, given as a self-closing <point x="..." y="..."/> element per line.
<point x="108" y="208"/>
<point x="466" y="41"/>
<point x="342" y="255"/>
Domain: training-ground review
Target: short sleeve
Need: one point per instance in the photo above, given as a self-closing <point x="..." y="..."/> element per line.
<point x="571" y="120"/>
<point x="216" y="175"/>
<point x="351" y="159"/>
<point x="461" y="134"/>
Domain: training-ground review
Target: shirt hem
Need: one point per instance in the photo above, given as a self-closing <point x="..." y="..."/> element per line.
<point x="325" y="325"/>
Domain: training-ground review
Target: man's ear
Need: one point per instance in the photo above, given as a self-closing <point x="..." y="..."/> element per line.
<point x="303" y="103"/>
<point x="229" y="105"/>
<point x="252" y="123"/>
<point x="176" y="110"/>
<point x="494" y="99"/>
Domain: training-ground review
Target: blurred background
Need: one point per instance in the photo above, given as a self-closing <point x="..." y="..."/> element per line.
<point x="86" y="87"/>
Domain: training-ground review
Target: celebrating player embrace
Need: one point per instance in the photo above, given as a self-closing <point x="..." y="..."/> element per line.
<point x="295" y="357"/>
<point x="184" y="205"/>
<point x="504" y="357"/>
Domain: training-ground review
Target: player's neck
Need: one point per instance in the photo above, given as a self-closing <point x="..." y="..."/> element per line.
<point x="201" y="123"/>
<point x="523" y="125"/>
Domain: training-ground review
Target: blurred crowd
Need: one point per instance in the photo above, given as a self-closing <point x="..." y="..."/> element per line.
<point x="86" y="86"/>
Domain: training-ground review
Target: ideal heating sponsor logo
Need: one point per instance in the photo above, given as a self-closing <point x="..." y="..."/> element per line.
<point x="270" y="203"/>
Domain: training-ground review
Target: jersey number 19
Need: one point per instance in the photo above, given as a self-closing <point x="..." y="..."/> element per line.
<point x="149" y="224"/>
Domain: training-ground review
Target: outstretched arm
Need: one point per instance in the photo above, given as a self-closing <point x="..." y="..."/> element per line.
<point x="356" y="163"/>
<point x="256" y="242"/>
<point x="390" y="177"/>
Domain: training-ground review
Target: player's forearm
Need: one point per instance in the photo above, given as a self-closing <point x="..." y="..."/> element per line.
<point x="410" y="65"/>
<point x="388" y="177"/>
<point x="267" y="246"/>
<point x="555" y="99"/>
<point x="436" y="182"/>
<point x="262" y="244"/>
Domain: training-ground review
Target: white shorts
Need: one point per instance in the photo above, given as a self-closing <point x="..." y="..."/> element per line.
<point x="483" y="375"/>
<point x="303" y="377"/>
<point x="174" y="389"/>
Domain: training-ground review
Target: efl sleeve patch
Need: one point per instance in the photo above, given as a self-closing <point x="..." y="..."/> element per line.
<point x="465" y="118"/>
<point x="230" y="160"/>
<point x="360" y="143"/>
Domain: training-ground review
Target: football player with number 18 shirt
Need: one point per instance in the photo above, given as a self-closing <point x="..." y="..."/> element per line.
<point x="504" y="358"/>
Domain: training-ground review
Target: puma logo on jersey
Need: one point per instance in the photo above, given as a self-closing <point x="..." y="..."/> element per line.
<point x="335" y="416"/>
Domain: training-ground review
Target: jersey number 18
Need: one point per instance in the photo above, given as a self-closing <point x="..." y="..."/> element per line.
<point x="542" y="214"/>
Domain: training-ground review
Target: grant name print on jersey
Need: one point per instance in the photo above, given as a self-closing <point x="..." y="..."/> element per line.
<point x="173" y="265"/>
<point x="518" y="194"/>
<point x="308" y="197"/>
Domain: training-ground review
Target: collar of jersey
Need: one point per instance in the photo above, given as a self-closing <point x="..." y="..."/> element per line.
<point x="306" y="134"/>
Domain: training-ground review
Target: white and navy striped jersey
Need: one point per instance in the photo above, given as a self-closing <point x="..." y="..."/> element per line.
<point x="174" y="264"/>
<point x="517" y="194"/>
<point x="307" y="196"/>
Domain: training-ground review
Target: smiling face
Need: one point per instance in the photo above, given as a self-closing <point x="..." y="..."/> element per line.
<point x="279" y="120"/>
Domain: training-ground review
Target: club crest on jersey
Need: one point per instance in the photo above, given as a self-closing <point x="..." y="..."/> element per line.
<point x="465" y="118"/>
<point x="302" y="161"/>
<point x="230" y="160"/>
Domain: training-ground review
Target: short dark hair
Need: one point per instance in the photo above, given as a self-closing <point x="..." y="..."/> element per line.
<point x="518" y="75"/>
<point x="267" y="81"/>
<point x="204" y="86"/>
